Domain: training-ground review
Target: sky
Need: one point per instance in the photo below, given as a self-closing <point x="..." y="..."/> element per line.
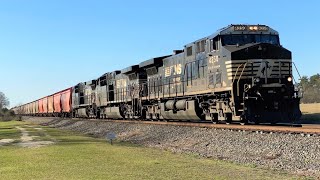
<point x="47" y="46"/>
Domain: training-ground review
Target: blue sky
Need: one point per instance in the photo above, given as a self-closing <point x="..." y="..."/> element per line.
<point x="46" y="46"/>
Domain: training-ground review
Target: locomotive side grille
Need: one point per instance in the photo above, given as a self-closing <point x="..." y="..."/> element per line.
<point x="286" y="69"/>
<point x="257" y="68"/>
<point x="218" y="78"/>
<point x="211" y="79"/>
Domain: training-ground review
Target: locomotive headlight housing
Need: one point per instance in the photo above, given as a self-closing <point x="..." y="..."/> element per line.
<point x="253" y="28"/>
<point x="289" y="79"/>
<point x="257" y="80"/>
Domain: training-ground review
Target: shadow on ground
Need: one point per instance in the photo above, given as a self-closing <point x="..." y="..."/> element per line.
<point x="310" y="118"/>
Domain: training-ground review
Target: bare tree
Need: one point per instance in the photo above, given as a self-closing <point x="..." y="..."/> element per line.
<point x="4" y="102"/>
<point x="18" y="111"/>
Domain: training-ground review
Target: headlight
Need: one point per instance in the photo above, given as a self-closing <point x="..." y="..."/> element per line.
<point x="253" y="28"/>
<point x="289" y="79"/>
<point x="257" y="80"/>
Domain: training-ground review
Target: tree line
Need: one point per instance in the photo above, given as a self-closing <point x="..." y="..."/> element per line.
<point x="4" y="101"/>
<point x="310" y="89"/>
<point x="5" y="113"/>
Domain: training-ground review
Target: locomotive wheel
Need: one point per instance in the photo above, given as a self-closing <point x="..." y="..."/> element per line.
<point x="214" y="122"/>
<point x="243" y="120"/>
<point x="256" y="121"/>
<point x="228" y="118"/>
<point x="214" y="117"/>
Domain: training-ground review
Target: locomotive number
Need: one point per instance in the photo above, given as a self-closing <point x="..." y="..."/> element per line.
<point x="240" y="28"/>
<point x="213" y="59"/>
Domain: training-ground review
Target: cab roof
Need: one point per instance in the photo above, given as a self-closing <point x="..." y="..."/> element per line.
<point x="240" y="29"/>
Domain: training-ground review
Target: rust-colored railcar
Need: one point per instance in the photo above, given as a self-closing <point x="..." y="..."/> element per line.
<point x="36" y="107"/>
<point x="62" y="102"/>
<point x="45" y="105"/>
<point x="50" y="105"/>
<point x="57" y="103"/>
<point x="66" y="100"/>
<point x="40" y="106"/>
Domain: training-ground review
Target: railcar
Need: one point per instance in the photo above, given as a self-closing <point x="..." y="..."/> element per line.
<point x="45" y="106"/>
<point x="240" y="73"/>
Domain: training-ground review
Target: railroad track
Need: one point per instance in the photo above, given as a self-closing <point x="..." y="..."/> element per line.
<point x="304" y="129"/>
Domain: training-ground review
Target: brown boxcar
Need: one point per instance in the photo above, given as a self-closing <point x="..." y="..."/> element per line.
<point x="33" y="105"/>
<point x="37" y="107"/>
<point x="40" y="105"/>
<point x="45" y="105"/>
<point x="28" y="109"/>
<point x="24" y="109"/>
<point x="66" y="100"/>
<point x="57" y="102"/>
<point x="50" y="104"/>
<point x="31" y="108"/>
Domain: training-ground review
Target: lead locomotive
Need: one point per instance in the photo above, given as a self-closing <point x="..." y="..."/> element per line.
<point x="240" y="73"/>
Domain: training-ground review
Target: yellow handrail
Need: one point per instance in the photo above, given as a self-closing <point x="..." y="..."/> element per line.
<point x="234" y="78"/>
<point x="244" y="67"/>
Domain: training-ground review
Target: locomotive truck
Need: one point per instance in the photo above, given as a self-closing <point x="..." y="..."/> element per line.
<point x="240" y="73"/>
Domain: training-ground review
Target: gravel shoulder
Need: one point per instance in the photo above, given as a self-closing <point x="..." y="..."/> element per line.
<point x="284" y="152"/>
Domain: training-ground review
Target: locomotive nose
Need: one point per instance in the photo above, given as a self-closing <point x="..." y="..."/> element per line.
<point x="259" y="51"/>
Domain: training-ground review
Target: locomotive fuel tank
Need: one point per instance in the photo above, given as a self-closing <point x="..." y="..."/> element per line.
<point x="181" y="104"/>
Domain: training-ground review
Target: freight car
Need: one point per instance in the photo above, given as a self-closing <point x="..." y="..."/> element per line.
<point x="240" y="73"/>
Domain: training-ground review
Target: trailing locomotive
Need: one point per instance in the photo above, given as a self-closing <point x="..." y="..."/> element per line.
<point x="240" y="73"/>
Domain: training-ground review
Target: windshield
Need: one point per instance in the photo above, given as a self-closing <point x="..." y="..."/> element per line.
<point x="241" y="39"/>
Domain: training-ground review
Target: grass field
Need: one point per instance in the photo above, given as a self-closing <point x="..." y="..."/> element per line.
<point x="8" y="130"/>
<point x="74" y="156"/>
<point x="311" y="113"/>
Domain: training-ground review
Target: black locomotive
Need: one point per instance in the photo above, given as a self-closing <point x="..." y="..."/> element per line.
<point x="240" y="73"/>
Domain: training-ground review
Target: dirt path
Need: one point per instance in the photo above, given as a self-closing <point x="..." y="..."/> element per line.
<point x="6" y="141"/>
<point x="25" y="135"/>
<point x="28" y="141"/>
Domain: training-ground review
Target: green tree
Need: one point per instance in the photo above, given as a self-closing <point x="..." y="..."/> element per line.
<point x="311" y="88"/>
<point x="4" y="102"/>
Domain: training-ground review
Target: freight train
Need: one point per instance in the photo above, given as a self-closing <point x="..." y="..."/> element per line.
<point x="240" y="73"/>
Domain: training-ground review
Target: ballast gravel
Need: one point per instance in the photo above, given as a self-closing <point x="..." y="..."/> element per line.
<point x="292" y="153"/>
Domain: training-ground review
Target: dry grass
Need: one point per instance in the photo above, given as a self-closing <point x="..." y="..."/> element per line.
<point x="310" y="108"/>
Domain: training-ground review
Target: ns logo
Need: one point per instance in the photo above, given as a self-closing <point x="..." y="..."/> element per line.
<point x="265" y="69"/>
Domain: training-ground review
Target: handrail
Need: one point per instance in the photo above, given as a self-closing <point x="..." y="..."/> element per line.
<point x="296" y="70"/>
<point x="234" y="78"/>
<point x="244" y="67"/>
